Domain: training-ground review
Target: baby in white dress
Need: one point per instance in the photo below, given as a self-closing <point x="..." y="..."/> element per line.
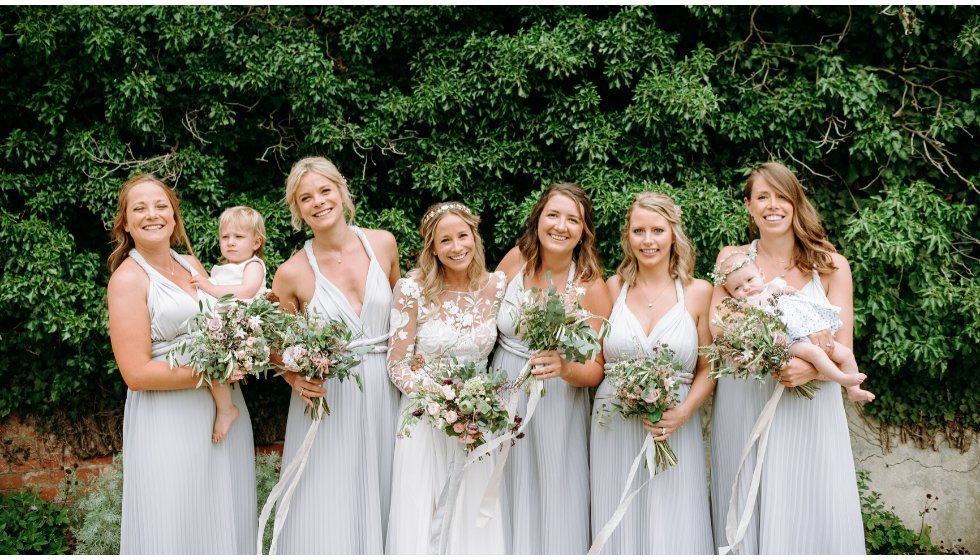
<point x="242" y="240"/>
<point x="803" y="317"/>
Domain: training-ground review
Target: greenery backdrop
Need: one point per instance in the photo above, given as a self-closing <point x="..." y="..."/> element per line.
<point x="874" y="108"/>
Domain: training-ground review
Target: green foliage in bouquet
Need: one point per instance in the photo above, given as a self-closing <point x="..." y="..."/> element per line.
<point x="547" y="320"/>
<point x="30" y="525"/>
<point x="316" y="347"/>
<point x="462" y="399"/>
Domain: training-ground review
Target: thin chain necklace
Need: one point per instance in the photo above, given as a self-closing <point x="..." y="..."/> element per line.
<point x="652" y="301"/>
<point x="786" y="267"/>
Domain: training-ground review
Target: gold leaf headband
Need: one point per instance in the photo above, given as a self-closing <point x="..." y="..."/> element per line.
<point x="442" y="209"/>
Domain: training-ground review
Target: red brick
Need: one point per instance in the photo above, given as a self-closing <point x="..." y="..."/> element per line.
<point x="11" y="481"/>
<point x="48" y="493"/>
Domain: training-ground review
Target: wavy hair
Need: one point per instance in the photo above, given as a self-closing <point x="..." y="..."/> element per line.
<point x="325" y="168"/>
<point x="430" y="273"/>
<point x="813" y="250"/>
<point x="122" y="241"/>
<point x="588" y="266"/>
<point x="682" y="254"/>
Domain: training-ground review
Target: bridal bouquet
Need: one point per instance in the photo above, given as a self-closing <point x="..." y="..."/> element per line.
<point x="645" y="387"/>
<point x="547" y="320"/>
<point x="752" y="344"/>
<point x="319" y="348"/>
<point x="235" y="338"/>
<point x="461" y="399"/>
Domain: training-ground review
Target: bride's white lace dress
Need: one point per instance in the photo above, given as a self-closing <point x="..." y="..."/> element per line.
<point x="459" y="325"/>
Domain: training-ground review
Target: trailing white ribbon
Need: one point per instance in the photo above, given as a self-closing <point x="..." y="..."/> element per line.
<point x="442" y="517"/>
<point x="290" y="476"/>
<point x="735" y="525"/>
<point x="647" y="450"/>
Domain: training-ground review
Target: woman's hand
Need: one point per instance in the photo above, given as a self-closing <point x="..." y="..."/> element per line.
<point x="305" y="388"/>
<point x="672" y="420"/>
<point x="545" y="365"/>
<point x="796" y="372"/>
<point x="824" y="339"/>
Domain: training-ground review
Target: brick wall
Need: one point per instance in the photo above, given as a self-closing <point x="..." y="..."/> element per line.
<point x="41" y="463"/>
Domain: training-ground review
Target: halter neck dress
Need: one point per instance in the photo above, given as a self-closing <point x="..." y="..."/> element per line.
<point x="340" y="505"/>
<point x="808" y="500"/>
<point x="671" y="514"/>
<point x="183" y="494"/>
<point x="545" y="487"/>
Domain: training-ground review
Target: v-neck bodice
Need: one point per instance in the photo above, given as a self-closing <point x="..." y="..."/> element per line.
<point x="169" y="305"/>
<point x="676" y="329"/>
<point x="330" y="301"/>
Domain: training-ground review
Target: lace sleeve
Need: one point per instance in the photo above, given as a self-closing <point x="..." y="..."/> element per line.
<point x="404" y="321"/>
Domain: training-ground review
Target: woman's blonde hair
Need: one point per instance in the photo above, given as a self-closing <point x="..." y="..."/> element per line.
<point x="682" y="255"/>
<point x="248" y="218"/>
<point x="588" y="267"/>
<point x="122" y="241"/>
<point x="430" y="273"/>
<point x="325" y="168"/>
<point x="813" y="250"/>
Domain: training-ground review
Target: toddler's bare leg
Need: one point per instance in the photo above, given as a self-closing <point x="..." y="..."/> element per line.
<point x="820" y="360"/>
<point x="225" y="411"/>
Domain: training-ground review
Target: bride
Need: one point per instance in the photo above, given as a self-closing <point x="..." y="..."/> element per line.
<point x="445" y="308"/>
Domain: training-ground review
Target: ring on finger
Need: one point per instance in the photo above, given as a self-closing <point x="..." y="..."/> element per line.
<point x="301" y="391"/>
<point x="663" y="431"/>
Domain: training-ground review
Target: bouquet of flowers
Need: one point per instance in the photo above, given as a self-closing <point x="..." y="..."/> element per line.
<point x="462" y="399"/>
<point x="319" y="348"/>
<point x="547" y="320"/>
<point x="644" y="387"/>
<point x="233" y="339"/>
<point x="752" y="344"/>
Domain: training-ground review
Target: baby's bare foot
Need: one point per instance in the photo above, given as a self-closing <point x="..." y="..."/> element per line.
<point x="223" y="419"/>
<point x="857" y="394"/>
<point x="852" y="379"/>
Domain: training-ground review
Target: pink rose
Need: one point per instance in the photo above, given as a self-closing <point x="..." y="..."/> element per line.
<point x="214" y="325"/>
<point x="450" y="416"/>
<point x="459" y="427"/>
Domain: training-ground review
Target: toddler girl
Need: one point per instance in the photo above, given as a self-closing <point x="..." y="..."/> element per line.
<point x="802" y="316"/>
<point x="242" y="240"/>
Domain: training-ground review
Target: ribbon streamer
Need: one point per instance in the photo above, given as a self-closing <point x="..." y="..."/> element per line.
<point x="646" y="450"/>
<point x="735" y="525"/>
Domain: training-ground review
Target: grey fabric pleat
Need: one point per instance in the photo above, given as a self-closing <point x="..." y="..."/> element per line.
<point x="183" y="494"/>
<point x="809" y="500"/>
<point x="671" y="514"/>
<point x="340" y="505"/>
<point x="545" y="488"/>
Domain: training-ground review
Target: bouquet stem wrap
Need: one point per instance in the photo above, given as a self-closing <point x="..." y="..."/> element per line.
<point x="735" y="523"/>
<point x="290" y="476"/>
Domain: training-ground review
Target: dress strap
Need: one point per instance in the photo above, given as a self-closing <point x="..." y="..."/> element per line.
<point x="140" y="260"/>
<point x="183" y="262"/>
<point x="753" y="248"/>
<point x="310" y="257"/>
<point x="364" y="241"/>
<point x="571" y="276"/>
<point x="680" y="290"/>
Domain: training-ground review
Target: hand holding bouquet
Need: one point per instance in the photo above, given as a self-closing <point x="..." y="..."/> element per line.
<point x="752" y="344"/>
<point x="547" y="320"/>
<point x="233" y="339"/>
<point x="319" y="348"/>
<point x="644" y="387"/>
<point x="462" y="399"/>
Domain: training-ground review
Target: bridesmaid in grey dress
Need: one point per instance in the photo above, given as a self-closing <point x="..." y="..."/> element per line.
<point x="807" y="501"/>
<point x="181" y="493"/>
<point x="340" y="505"/>
<point x="657" y="302"/>
<point x="545" y="489"/>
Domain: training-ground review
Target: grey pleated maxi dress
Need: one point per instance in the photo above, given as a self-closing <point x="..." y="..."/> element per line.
<point x="808" y="501"/>
<point x="341" y="502"/>
<point x="545" y="488"/>
<point x="183" y="494"/>
<point x="671" y="514"/>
